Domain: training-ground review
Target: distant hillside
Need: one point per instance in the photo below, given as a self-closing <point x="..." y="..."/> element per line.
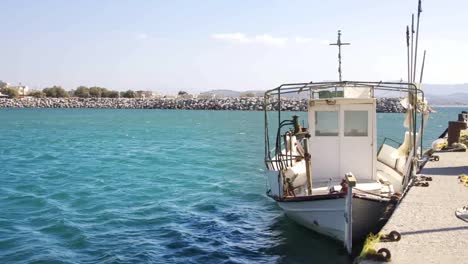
<point x="231" y="93"/>
<point x="445" y="89"/>
<point x="259" y="93"/>
<point x="449" y="99"/>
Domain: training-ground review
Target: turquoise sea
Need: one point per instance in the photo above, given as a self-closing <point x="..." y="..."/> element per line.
<point x="150" y="186"/>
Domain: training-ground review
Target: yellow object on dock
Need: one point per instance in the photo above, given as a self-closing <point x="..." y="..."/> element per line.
<point x="369" y="245"/>
<point x="464" y="179"/>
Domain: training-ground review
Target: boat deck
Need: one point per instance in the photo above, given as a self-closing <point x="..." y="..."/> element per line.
<point x="430" y="231"/>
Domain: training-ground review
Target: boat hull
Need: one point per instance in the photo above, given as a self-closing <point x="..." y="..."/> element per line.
<point x="326" y="216"/>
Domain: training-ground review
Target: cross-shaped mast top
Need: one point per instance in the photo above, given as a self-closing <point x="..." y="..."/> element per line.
<point x="339" y="44"/>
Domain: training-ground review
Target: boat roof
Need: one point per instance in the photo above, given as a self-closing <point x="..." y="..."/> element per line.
<point x="290" y="88"/>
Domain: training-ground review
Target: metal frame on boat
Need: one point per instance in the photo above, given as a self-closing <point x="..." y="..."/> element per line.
<point x="314" y="88"/>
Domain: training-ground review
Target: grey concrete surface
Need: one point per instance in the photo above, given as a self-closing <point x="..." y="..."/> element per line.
<point x="430" y="231"/>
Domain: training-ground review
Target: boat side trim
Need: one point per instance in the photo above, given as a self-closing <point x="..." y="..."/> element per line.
<point x="310" y="198"/>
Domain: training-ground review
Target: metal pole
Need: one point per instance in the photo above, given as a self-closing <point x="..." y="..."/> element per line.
<point x="417" y="37"/>
<point x="266" y="126"/>
<point x="279" y="110"/>
<point x="410" y="101"/>
<point x="339" y="59"/>
<point x="409" y="70"/>
<point x="412" y="49"/>
<point x="414" y="78"/>
<point x="307" y="163"/>
<point x="408" y="53"/>
<point x="422" y="67"/>
<point x="423" y="111"/>
<point x="339" y="44"/>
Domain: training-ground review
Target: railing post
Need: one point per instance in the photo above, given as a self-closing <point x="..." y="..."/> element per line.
<point x="348" y="215"/>
<point x="307" y="158"/>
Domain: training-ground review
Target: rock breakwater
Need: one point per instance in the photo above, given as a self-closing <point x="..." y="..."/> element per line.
<point x="388" y="105"/>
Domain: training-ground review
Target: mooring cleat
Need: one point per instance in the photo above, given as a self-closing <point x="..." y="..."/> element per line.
<point x="421" y="184"/>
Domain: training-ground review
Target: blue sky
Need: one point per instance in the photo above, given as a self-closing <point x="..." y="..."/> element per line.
<point x="201" y="45"/>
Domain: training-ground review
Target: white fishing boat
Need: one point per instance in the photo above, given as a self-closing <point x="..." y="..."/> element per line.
<point x="325" y="170"/>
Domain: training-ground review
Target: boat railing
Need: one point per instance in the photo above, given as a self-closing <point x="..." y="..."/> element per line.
<point x="313" y="88"/>
<point x="281" y="162"/>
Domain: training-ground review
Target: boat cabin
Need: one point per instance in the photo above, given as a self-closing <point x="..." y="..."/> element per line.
<point x="342" y="135"/>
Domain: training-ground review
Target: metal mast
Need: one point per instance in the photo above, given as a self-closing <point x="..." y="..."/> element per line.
<point x="339" y="44"/>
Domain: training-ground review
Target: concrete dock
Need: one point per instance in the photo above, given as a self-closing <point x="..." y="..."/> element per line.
<point x="430" y="231"/>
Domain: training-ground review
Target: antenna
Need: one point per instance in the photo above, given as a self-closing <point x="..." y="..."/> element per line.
<point x="339" y="44"/>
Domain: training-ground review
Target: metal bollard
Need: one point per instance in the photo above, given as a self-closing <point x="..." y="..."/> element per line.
<point x="454" y="128"/>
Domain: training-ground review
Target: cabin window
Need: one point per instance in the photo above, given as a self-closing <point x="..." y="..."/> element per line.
<point x="355" y="123"/>
<point x="326" y="123"/>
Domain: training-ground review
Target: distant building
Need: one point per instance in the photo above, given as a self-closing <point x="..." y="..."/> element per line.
<point x="23" y="90"/>
<point x="3" y="95"/>
<point x="207" y="95"/>
<point x="145" y="94"/>
<point x="185" y="96"/>
<point x="169" y="97"/>
<point x="156" y="95"/>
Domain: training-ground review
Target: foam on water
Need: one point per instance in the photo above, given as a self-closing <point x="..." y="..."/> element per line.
<point x="132" y="186"/>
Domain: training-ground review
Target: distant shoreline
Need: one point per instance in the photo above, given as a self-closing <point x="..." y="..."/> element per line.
<point x="452" y="106"/>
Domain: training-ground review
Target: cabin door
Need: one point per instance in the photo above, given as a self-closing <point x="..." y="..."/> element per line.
<point x="325" y="142"/>
<point x="356" y="140"/>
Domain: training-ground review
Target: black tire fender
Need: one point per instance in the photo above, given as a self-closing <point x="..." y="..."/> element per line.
<point x="385" y="253"/>
<point x="394" y="236"/>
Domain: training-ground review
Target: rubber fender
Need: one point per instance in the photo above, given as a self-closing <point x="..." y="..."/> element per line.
<point x="422" y="184"/>
<point x="382" y="255"/>
<point x="394" y="236"/>
<point x="385" y="253"/>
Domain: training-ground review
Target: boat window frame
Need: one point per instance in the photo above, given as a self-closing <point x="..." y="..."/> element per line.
<point x="346" y="124"/>
<point x="316" y="119"/>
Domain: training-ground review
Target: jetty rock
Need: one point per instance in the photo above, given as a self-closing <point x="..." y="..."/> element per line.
<point x="385" y="105"/>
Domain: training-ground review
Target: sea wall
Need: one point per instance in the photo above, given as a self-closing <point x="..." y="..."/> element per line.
<point x="388" y="105"/>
